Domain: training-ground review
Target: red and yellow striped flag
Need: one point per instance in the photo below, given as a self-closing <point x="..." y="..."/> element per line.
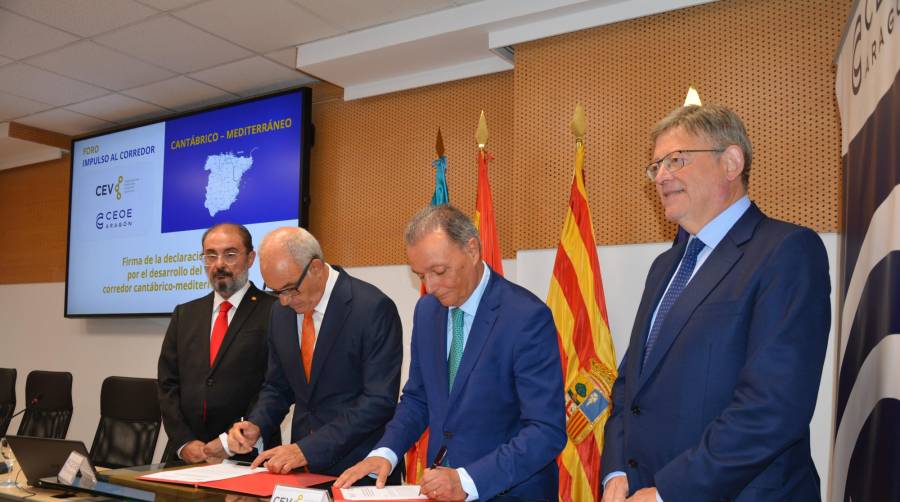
<point x="484" y="216"/>
<point x="586" y="349"/>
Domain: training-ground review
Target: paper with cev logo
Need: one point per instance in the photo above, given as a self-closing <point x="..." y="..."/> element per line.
<point x="284" y="493"/>
<point x="205" y="473"/>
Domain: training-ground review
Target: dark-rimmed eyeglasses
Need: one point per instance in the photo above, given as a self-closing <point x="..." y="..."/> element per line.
<point x="292" y="290"/>
<point x="675" y="160"/>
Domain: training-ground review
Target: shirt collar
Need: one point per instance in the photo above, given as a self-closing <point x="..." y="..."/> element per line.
<point x="713" y="232"/>
<point x="471" y="304"/>
<point x="329" y="287"/>
<point x="234" y="300"/>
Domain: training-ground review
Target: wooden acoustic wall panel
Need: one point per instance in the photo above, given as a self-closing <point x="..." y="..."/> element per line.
<point x="371" y="164"/>
<point x="769" y="61"/>
<point x="34" y="208"/>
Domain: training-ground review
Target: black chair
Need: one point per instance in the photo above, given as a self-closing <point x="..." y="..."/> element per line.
<point x="48" y="404"/>
<point x="129" y="422"/>
<point x="7" y="397"/>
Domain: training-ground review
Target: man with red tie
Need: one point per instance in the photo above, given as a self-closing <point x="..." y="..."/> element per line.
<point x="335" y="349"/>
<point x="214" y="355"/>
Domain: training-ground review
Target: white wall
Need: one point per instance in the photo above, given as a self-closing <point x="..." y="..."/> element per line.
<point x="35" y="335"/>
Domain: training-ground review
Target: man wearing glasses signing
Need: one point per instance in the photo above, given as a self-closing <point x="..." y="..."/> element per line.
<point x="716" y="391"/>
<point x="213" y="357"/>
<point x="335" y="349"/>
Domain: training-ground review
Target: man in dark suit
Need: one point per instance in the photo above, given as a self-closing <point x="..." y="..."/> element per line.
<point x="213" y="357"/>
<point x="485" y="375"/>
<point x="718" y="386"/>
<point x="335" y="350"/>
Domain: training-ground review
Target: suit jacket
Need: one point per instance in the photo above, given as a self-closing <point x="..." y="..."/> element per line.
<point x="721" y="410"/>
<point x="355" y="380"/>
<point x="230" y="387"/>
<point x="504" y="420"/>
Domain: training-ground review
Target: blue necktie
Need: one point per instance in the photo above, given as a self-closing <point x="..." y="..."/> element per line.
<point x="678" y="283"/>
<point x="456" y="346"/>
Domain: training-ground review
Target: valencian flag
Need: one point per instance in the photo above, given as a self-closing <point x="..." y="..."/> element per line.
<point x="416" y="458"/>
<point x="867" y="437"/>
<point x="484" y="206"/>
<point x="588" y="357"/>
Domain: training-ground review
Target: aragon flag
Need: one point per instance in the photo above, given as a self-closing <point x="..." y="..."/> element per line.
<point x="588" y="358"/>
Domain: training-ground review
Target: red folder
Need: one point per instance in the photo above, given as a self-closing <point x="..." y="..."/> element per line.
<point x="337" y="495"/>
<point x="260" y="484"/>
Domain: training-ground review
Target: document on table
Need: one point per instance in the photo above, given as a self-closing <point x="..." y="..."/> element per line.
<point x="204" y="473"/>
<point x="405" y="492"/>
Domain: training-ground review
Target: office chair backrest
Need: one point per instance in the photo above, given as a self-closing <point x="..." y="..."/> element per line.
<point x="7" y="397"/>
<point x="48" y="404"/>
<point x="129" y="422"/>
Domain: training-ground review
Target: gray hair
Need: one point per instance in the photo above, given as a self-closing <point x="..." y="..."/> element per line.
<point x="453" y="222"/>
<point x="302" y="245"/>
<point x="715" y="122"/>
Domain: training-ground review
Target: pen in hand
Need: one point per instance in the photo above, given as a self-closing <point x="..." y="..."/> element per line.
<point x="439" y="458"/>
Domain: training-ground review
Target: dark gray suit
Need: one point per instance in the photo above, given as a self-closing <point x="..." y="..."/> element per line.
<point x="230" y="387"/>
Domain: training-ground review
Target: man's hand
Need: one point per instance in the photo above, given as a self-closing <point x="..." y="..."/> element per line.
<point x="442" y="484"/>
<point x="643" y="495"/>
<point x="242" y="436"/>
<point x="616" y="490"/>
<point x="281" y="459"/>
<point x="379" y="465"/>
<point x="193" y="452"/>
<point x="214" y="451"/>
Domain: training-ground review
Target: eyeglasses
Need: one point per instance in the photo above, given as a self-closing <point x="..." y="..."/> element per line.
<point x="229" y="257"/>
<point x="674" y="161"/>
<point x="290" y="291"/>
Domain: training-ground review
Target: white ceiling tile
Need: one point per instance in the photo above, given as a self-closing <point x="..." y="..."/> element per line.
<point x="178" y="92"/>
<point x="276" y="24"/>
<point x="173" y="44"/>
<point x="39" y="85"/>
<point x="168" y="4"/>
<point x="21" y="37"/>
<point x="14" y="106"/>
<point x="64" y="121"/>
<point x="85" y="18"/>
<point x="287" y="57"/>
<point x="116" y="108"/>
<point x="354" y="15"/>
<point x="248" y="75"/>
<point x="94" y="63"/>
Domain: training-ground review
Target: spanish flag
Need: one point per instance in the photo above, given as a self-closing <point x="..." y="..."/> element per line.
<point x="586" y="349"/>
<point x="484" y="216"/>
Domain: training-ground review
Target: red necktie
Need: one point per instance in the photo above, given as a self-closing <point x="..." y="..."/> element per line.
<point x="307" y="342"/>
<point x="218" y="333"/>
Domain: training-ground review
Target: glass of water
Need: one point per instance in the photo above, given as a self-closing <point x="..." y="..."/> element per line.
<point x="6" y="455"/>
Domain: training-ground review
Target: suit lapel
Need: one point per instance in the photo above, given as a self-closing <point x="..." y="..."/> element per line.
<point x="440" y="364"/>
<point x="245" y="309"/>
<point x="484" y="320"/>
<point x="710" y="274"/>
<point x="657" y="279"/>
<point x="336" y="313"/>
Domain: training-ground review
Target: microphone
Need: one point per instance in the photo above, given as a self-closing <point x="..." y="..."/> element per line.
<point x="35" y="400"/>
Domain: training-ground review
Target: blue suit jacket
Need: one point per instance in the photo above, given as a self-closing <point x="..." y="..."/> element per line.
<point x="504" y="421"/>
<point x="722" y="409"/>
<point x="355" y="378"/>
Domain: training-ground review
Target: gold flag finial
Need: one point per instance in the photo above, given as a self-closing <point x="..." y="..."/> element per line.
<point x="439" y="144"/>
<point x="578" y="123"/>
<point x="481" y="134"/>
<point x="692" y="98"/>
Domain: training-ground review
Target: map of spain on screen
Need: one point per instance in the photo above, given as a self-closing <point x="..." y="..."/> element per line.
<point x="239" y="164"/>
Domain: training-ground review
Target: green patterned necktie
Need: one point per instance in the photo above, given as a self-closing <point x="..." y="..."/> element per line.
<point x="456" y="347"/>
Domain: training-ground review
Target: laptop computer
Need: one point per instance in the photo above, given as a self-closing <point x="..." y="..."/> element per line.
<point x="42" y="458"/>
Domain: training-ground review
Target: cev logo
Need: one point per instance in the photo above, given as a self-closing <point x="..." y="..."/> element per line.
<point x="110" y="188"/>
